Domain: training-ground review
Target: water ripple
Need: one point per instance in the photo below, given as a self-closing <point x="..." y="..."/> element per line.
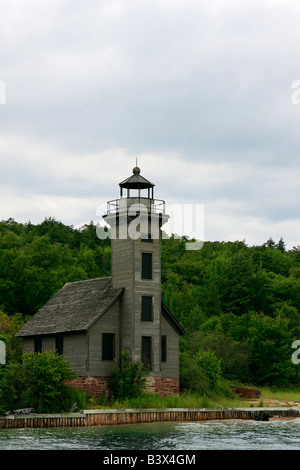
<point x="233" y="435"/>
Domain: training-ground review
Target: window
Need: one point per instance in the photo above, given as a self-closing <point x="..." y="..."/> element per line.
<point x="108" y="346"/>
<point x="146" y="351"/>
<point x="38" y="344"/>
<point x="163" y="349"/>
<point x="146" y="308"/>
<point x="59" y="344"/>
<point x="146" y="265"/>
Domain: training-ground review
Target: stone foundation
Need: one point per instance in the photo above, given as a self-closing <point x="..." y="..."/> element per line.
<point x="169" y="386"/>
<point x="93" y="385"/>
<point x="163" y="386"/>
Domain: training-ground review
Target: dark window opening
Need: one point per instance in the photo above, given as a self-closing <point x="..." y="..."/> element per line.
<point x="146" y="351"/>
<point x="146" y="308"/>
<point x="59" y="344"/>
<point x="163" y="349"/>
<point x="146" y="265"/>
<point x="108" y="346"/>
<point x="38" y="344"/>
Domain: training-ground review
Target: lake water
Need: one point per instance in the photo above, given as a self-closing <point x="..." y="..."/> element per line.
<point x="229" y="435"/>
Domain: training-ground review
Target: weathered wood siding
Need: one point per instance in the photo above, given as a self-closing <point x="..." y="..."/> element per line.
<point x="108" y="323"/>
<point x="76" y="351"/>
<point x="28" y="345"/>
<point x="170" y="368"/>
<point x="48" y="344"/>
<point x="126" y="272"/>
<point x="147" y="287"/>
<point x="122" y="266"/>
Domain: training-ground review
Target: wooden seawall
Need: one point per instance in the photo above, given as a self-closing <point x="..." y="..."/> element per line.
<point x="134" y="416"/>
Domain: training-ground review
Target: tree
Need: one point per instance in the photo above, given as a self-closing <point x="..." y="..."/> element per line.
<point x="227" y="282"/>
<point x="234" y="356"/>
<point x="281" y="245"/>
<point x="270" y="243"/>
<point x="270" y="342"/>
<point x="236" y="284"/>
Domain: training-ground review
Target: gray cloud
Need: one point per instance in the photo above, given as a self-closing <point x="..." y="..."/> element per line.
<point x="200" y="91"/>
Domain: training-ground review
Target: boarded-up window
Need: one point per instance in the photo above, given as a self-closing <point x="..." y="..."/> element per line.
<point x="146" y="351"/>
<point x="108" y="346"/>
<point x="59" y="344"/>
<point x="146" y="265"/>
<point x="146" y="308"/>
<point x="163" y="349"/>
<point x="38" y="344"/>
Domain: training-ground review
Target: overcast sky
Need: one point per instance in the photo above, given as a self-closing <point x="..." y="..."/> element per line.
<point x="203" y="93"/>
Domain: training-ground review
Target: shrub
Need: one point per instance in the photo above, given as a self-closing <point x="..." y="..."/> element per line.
<point x="201" y="373"/>
<point x="210" y="365"/>
<point x="39" y="383"/>
<point x="12" y="387"/>
<point x="129" y="380"/>
<point x="192" y="377"/>
<point x="46" y="374"/>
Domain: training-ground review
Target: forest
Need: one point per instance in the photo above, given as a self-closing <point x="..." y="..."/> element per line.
<point x="239" y="304"/>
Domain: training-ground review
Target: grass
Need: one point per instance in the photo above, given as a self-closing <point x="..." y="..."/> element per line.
<point x="287" y="394"/>
<point x="192" y="400"/>
<point x="184" y="400"/>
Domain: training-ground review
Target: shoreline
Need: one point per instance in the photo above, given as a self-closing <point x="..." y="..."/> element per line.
<point x="114" y="417"/>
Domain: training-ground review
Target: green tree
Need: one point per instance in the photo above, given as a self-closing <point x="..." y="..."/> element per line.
<point x="270" y="342"/>
<point x="270" y="243"/>
<point x="234" y="356"/>
<point x="281" y="245"/>
<point x="236" y="284"/>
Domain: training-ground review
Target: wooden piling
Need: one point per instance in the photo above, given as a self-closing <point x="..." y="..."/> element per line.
<point x="117" y="417"/>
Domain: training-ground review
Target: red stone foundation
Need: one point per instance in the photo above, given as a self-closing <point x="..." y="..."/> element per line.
<point x="93" y="385"/>
<point x="162" y="386"/>
<point x="166" y="386"/>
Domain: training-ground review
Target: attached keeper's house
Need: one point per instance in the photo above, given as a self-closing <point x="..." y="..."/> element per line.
<point x="91" y="321"/>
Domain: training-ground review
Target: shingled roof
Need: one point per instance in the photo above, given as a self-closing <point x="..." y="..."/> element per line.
<point x="75" y="307"/>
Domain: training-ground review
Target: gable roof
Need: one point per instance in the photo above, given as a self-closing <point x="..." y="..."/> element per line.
<point x="172" y="320"/>
<point x="75" y="307"/>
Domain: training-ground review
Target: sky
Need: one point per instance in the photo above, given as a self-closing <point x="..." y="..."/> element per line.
<point x="204" y="93"/>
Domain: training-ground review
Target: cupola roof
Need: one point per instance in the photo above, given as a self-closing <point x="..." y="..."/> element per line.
<point x="136" y="181"/>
